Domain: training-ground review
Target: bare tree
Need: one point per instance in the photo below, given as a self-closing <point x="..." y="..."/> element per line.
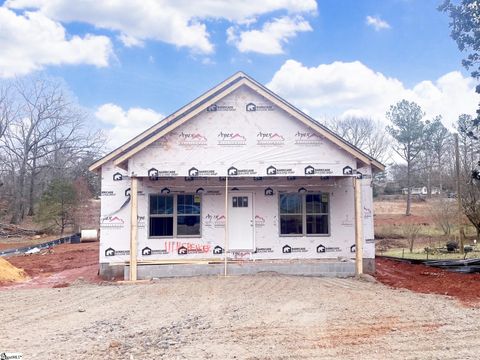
<point x="46" y="136"/>
<point x="365" y="133"/>
<point x="411" y="231"/>
<point x="470" y="185"/>
<point x="445" y="214"/>
<point x="5" y="108"/>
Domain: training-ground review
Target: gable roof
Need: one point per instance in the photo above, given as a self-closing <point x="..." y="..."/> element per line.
<point x="187" y="112"/>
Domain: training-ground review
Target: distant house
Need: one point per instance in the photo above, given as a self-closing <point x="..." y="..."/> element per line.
<point x="421" y="191"/>
<point x="238" y="173"/>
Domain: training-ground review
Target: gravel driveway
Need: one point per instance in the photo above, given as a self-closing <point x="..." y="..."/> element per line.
<point x="246" y="317"/>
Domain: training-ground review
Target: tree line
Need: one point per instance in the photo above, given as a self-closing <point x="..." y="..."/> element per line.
<point x="46" y="143"/>
<point x="419" y="152"/>
<point x="46" y="146"/>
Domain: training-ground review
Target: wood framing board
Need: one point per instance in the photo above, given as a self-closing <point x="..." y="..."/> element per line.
<point x="357" y="184"/>
<point x="133" y="228"/>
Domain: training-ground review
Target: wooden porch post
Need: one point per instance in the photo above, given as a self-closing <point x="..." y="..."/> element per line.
<point x="357" y="185"/>
<point x="133" y="228"/>
<point x="226" y="227"/>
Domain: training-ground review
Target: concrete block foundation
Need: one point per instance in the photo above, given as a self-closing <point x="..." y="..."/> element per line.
<point x="301" y="268"/>
<point x="304" y="268"/>
<point x="111" y="271"/>
<point x="369" y="266"/>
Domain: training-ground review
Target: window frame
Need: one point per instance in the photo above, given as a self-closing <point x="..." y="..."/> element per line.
<point x="304" y="215"/>
<point x="174" y="215"/>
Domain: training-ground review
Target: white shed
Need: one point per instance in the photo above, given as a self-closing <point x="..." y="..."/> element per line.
<point x="237" y="181"/>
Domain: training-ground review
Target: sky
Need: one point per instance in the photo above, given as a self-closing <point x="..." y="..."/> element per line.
<point x="132" y="62"/>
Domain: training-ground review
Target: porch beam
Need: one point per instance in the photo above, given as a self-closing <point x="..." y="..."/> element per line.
<point x="133" y="228"/>
<point x="357" y="185"/>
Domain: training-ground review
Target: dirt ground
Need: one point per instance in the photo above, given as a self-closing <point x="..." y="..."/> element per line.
<point x="393" y="213"/>
<point x="398" y="206"/>
<point x="67" y="264"/>
<point x="58" y="266"/>
<point x="244" y="317"/>
<point x="430" y="280"/>
<point x="65" y="311"/>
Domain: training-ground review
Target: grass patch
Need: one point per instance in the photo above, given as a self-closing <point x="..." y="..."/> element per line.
<point x="420" y="255"/>
<point x="397" y="231"/>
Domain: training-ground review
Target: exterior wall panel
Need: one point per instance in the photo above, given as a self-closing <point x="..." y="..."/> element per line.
<point x="263" y="150"/>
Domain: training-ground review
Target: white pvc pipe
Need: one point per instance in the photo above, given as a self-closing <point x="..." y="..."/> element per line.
<point x="89" y="235"/>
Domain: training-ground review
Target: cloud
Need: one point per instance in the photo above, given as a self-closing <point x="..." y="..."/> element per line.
<point x="377" y="23"/>
<point x="270" y="39"/>
<point x="124" y="125"/>
<point x="175" y="22"/>
<point x="31" y="41"/>
<point x="351" y="88"/>
<point x="208" y="61"/>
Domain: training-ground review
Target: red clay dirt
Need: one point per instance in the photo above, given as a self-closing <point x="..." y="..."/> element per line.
<point x="430" y="280"/>
<point x="65" y="264"/>
<point x="58" y="266"/>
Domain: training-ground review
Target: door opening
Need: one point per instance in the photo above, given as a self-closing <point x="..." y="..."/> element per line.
<point x="241" y="226"/>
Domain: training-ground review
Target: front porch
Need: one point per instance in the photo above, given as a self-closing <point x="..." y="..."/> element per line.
<point x="304" y="267"/>
<point x="270" y="240"/>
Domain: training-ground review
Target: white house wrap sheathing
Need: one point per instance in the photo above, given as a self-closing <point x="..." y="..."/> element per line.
<point x="263" y="150"/>
<point x="229" y="135"/>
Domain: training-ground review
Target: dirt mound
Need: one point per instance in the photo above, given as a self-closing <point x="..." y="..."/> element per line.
<point x="430" y="280"/>
<point x="10" y="273"/>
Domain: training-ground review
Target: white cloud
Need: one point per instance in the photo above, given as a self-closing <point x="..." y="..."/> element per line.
<point x="208" y="61"/>
<point x="124" y="125"/>
<point x="351" y="88"/>
<point x="31" y="41"/>
<point x="270" y="39"/>
<point x="177" y="22"/>
<point x="377" y="23"/>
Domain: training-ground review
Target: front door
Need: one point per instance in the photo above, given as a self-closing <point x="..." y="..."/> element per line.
<point x="241" y="226"/>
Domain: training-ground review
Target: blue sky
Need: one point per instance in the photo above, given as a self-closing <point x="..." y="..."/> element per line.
<point x="326" y="57"/>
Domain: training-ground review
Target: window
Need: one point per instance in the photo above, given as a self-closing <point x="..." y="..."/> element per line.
<point x="240" y="201"/>
<point x="316" y="213"/>
<point x="161" y="215"/>
<point x="188" y="215"/>
<point x="174" y="215"/>
<point x="304" y="214"/>
<point x="291" y="214"/>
